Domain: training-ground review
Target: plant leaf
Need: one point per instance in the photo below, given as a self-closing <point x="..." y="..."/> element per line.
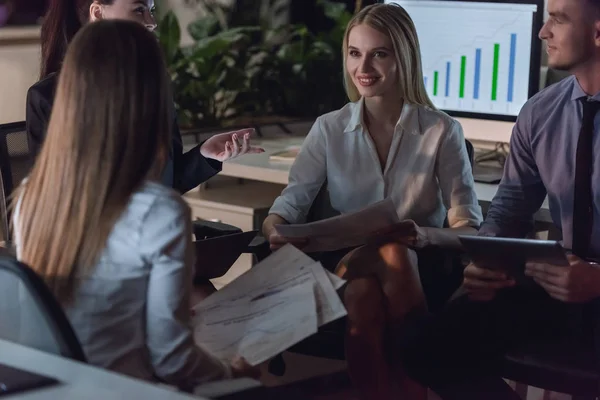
<point x="333" y="10"/>
<point x="169" y="35"/>
<point x="203" y="27"/>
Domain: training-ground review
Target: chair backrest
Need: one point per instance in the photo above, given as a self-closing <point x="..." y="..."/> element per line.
<point x="30" y="315"/>
<point x="15" y="163"/>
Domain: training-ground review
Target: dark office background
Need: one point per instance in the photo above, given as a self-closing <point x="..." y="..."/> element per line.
<point x="30" y="12"/>
<point x="22" y="12"/>
<point x="307" y="12"/>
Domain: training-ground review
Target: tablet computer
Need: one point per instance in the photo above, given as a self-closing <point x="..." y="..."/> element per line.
<point x="214" y="256"/>
<point x="511" y="254"/>
<point x="15" y="380"/>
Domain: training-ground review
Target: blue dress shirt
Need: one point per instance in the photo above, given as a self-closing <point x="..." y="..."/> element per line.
<point x="542" y="162"/>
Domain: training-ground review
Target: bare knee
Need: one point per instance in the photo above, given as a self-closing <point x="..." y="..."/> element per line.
<point x="364" y="302"/>
<point x="398" y="256"/>
<point x="401" y="283"/>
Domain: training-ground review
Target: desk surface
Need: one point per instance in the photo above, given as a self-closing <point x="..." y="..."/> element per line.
<point x="259" y="167"/>
<point x="78" y="380"/>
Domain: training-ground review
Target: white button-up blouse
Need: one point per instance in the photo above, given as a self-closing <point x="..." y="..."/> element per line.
<point x="428" y="173"/>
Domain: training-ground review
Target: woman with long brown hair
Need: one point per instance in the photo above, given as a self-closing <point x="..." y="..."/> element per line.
<point x="64" y="18"/>
<point x="112" y="243"/>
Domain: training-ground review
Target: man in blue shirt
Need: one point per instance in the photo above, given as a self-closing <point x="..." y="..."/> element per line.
<point x="555" y="151"/>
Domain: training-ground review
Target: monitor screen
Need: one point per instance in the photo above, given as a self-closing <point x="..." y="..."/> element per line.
<point x="481" y="59"/>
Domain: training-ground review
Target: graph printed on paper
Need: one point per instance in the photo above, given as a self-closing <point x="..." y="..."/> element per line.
<point x="259" y="329"/>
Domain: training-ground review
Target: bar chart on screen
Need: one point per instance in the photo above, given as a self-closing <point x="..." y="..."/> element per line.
<point x="476" y="56"/>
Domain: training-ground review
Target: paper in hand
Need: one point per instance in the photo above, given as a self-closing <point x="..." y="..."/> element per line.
<point x="343" y="231"/>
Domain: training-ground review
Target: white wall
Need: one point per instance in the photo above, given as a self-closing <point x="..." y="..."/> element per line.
<point x="19" y="69"/>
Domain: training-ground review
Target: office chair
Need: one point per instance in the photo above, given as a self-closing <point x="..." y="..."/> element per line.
<point x="29" y="313"/>
<point x="557" y="366"/>
<point x="15" y="164"/>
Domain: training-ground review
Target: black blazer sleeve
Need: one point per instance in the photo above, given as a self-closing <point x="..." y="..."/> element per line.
<point x="37" y="113"/>
<point x="191" y="168"/>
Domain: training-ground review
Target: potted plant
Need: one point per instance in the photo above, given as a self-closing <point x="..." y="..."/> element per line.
<point x="256" y="73"/>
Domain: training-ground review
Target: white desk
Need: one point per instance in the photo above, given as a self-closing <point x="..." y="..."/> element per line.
<point x="258" y="167"/>
<point x="78" y="380"/>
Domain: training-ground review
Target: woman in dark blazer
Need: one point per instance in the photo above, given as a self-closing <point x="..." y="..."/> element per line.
<point x="64" y="18"/>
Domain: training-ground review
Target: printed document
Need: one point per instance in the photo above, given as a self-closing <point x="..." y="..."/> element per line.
<point x="260" y="328"/>
<point x="342" y="231"/>
<point x="271" y="307"/>
<point x="285" y="268"/>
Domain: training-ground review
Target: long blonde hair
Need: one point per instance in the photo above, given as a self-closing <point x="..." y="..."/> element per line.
<point x="393" y="21"/>
<point x="109" y="131"/>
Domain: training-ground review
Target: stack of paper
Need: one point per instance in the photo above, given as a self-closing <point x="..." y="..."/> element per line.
<point x="276" y="304"/>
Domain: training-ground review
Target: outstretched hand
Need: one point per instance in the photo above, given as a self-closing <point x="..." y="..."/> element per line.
<point x="228" y="145"/>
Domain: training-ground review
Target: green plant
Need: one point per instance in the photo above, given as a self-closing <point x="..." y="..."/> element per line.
<point x="256" y="70"/>
<point x="309" y="67"/>
<point x="209" y="75"/>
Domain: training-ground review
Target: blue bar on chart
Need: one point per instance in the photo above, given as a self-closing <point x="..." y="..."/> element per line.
<point x="447" y="78"/>
<point x="511" y="66"/>
<point x="477" y="73"/>
<point x="425" y="81"/>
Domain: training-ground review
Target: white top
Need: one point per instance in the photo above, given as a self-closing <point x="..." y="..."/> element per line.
<point x="131" y="312"/>
<point x="77" y="380"/>
<point x="427" y="175"/>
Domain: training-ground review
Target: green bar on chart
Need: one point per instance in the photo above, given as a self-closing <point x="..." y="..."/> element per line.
<point x="495" y="71"/>
<point x="463" y="70"/>
<point x="435" y="83"/>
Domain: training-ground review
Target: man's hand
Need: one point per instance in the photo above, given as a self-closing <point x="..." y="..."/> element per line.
<point x="225" y="146"/>
<point x="482" y="284"/>
<point x="577" y="283"/>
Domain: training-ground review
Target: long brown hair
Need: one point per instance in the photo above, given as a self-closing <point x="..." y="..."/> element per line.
<point x="62" y="21"/>
<point x="109" y="125"/>
<point x="393" y="20"/>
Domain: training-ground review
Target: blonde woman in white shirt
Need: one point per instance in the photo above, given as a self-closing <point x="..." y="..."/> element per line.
<point x="92" y="219"/>
<point x="389" y="141"/>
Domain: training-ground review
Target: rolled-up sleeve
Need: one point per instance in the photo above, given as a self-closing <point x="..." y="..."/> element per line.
<point x="167" y="247"/>
<point x="307" y="175"/>
<point x="455" y="178"/>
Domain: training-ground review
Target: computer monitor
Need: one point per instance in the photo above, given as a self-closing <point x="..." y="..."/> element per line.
<point x="481" y="59"/>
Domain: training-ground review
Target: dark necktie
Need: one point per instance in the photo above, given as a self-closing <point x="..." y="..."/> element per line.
<point x="583" y="204"/>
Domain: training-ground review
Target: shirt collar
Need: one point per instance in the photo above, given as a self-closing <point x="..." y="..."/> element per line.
<point x="578" y="93"/>
<point x="408" y="121"/>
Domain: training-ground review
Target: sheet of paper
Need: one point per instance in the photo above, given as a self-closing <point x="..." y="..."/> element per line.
<point x="286" y="267"/>
<point x="260" y="328"/>
<point x="345" y="230"/>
